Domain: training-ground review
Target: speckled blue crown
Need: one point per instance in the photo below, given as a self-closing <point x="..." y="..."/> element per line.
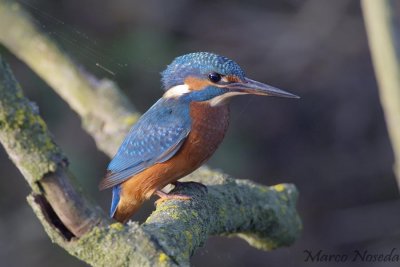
<point x="198" y="64"/>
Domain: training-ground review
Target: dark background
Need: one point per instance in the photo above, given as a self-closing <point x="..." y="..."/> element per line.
<point x="332" y="143"/>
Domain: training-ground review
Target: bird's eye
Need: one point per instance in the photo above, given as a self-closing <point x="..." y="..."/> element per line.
<point x="214" y="77"/>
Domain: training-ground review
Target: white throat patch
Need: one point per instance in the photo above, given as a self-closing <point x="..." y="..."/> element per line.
<point x="177" y="91"/>
<point x="221" y="99"/>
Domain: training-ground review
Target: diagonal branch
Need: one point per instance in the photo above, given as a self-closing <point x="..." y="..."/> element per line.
<point x="83" y="92"/>
<point x="382" y="26"/>
<point x="27" y="141"/>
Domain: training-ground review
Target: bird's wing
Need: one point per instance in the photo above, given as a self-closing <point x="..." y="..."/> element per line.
<point x="155" y="138"/>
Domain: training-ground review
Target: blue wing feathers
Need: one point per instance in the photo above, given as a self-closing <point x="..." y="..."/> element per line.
<point x="155" y="138"/>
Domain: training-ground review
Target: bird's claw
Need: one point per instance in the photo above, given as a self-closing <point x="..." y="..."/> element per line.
<point x="180" y="184"/>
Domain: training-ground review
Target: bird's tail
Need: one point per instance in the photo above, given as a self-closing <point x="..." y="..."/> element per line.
<point x="122" y="208"/>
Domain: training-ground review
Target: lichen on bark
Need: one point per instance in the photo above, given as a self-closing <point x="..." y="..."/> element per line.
<point x="25" y="134"/>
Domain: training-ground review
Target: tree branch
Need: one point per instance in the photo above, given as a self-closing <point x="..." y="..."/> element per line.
<point x="382" y="30"/>
<point x="27" y="141"/>
<point x="82" y="91"/>
<point x="264" y="216"/>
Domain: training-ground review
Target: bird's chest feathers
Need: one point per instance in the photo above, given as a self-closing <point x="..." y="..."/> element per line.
<point x="209" y="125"/>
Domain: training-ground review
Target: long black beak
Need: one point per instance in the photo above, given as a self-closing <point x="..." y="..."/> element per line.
<point x="249" y="86"/>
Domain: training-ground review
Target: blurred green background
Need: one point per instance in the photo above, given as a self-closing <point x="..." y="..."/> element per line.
<point x="332" y="143"/>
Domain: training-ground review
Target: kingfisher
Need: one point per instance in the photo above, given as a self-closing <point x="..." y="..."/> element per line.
<point x="180" y="131"/>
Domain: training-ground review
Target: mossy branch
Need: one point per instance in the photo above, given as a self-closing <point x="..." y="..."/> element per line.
<point x="383" y="36"/>
<point x="27" y="141"/>
<point x="264" y="216"/>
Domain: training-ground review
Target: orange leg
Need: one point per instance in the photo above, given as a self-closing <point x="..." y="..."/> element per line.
<point x="164" y="196"/>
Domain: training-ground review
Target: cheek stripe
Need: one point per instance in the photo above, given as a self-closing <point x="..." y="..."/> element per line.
<point x="177" y="91"/>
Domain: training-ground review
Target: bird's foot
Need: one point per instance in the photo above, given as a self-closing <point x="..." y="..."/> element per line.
<point x="179" y="184"/>
<point x="164" y="196"/>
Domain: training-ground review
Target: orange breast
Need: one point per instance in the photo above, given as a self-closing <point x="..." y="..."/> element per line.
<point x="209" y="125"/>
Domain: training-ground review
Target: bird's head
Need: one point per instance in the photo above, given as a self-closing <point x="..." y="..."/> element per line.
<point x="206" y="76"/>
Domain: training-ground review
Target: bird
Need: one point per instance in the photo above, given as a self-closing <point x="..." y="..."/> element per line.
<point x="180" y="132"/>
